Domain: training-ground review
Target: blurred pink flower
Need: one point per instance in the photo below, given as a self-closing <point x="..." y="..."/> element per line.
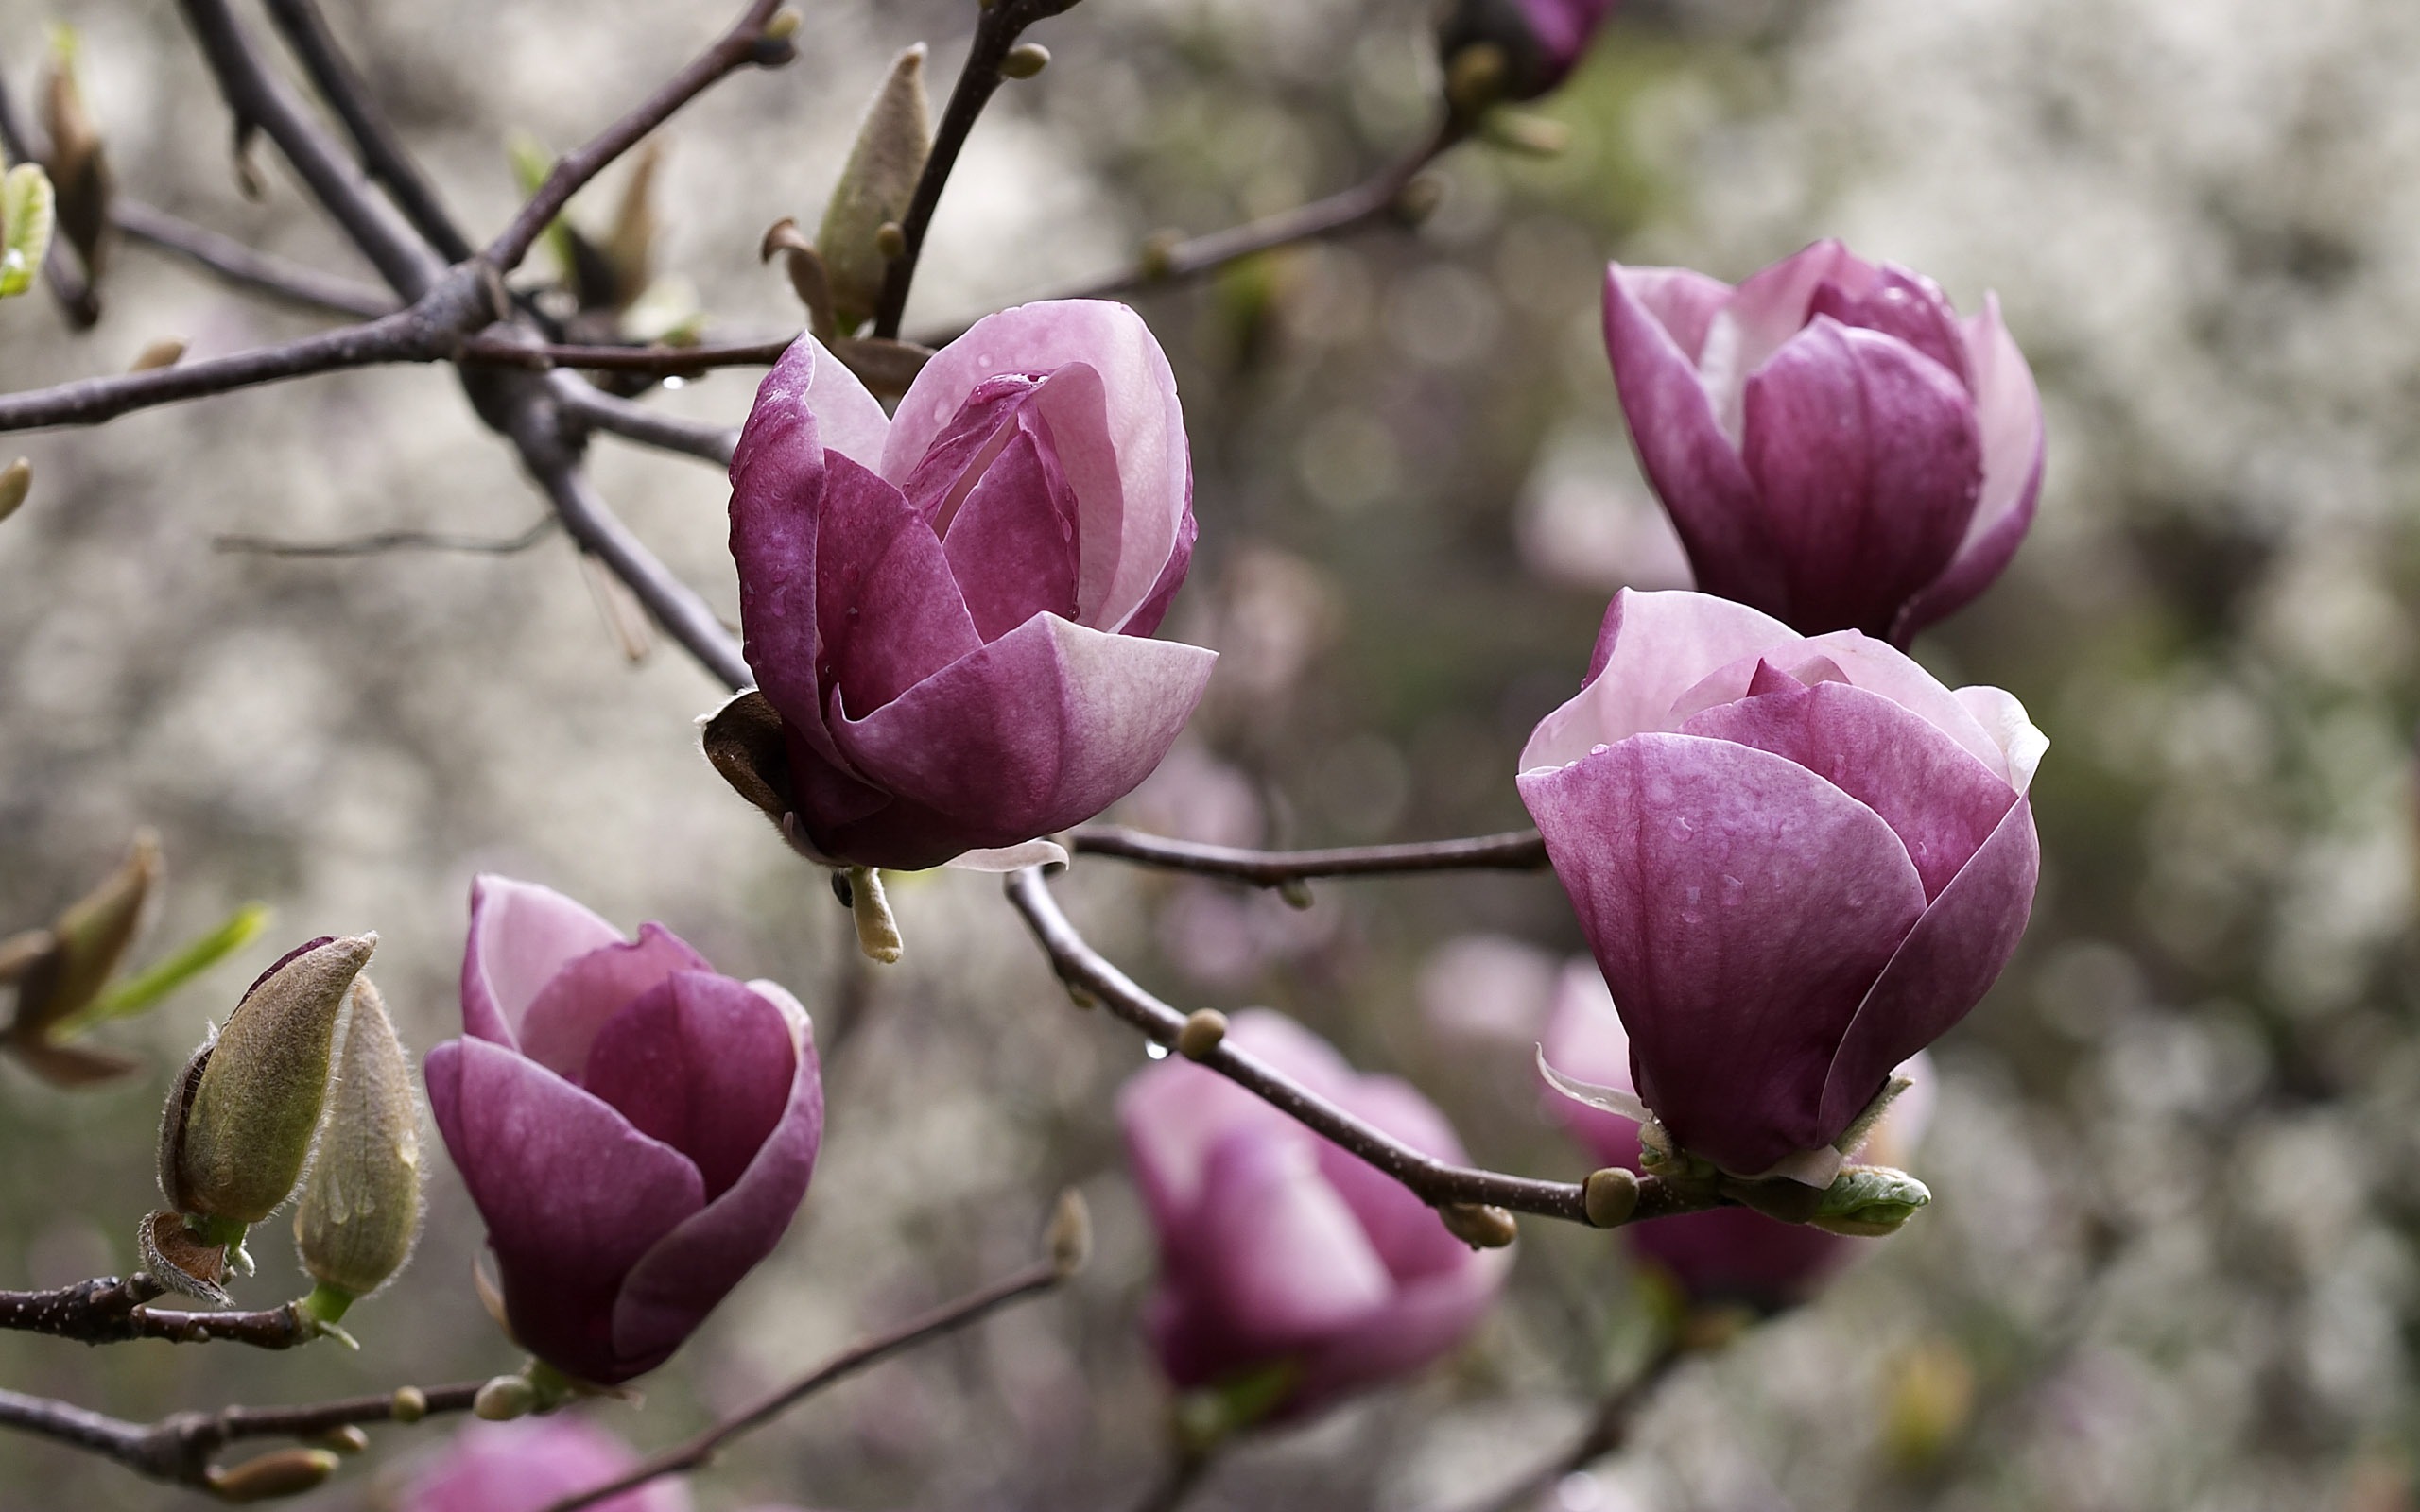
<point x="530" y="1464"/>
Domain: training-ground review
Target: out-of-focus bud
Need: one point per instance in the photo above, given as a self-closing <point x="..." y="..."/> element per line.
<point x="360" y="1208"/>
<point x="874" y="188"/>
<point x="1070" y="1238"/>
<point x="79" y="170"/>
<point x="165" y="353"/>
<point x="1928" y="1401"/>
<point x="1025" y="60"/>
<point x="1497" y="50"/>
<point x="504" y="1398"/>
<point x="280" y="1472"/>
<point x="17" y="478"/>
<point x="239" y="1125"/>
<point x="60" y="971"/>
<point x="29" y="213"/>
<point x="630" y="242"/>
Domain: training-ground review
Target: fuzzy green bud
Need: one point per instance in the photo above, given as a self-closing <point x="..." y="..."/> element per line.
<point x="875" y="187"/>
<point x="239" y="1123"/>
<point x="360" y="1207"/>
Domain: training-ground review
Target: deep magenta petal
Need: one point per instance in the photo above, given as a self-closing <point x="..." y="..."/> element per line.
<point x="776" y="489"/>
<point x="940" y="480"/>
<point x="702" y="1063"/>
<point x="572" y="1195"/>
<point x="1903" y="304"/>
<point x="521" y="935"/>
<point x="563" y="1020"/>
<point x="1740" y="906"/>
<point x="890" y="609"/>
<point x="1867" y="462"/>
<point x="1012" y="546"/>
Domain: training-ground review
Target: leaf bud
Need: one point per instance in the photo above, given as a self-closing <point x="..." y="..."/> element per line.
<point x="1610" y="1197"/>
<point x="165" y="353"/>
<point x="504" y="1398"/>
<point x="69" y="964"/>
<point x="17" y="478"/>
<point x="410" y="1405"/>
<point x="1479" y="1226"/>
<point x="874" y="189"/>
<point x="1025" y="60"/>
<point x="346" y="1439"/>
<point x="29" y="214"/>
<point x="1203" y="1029"/>
<point x="280" y="1472"/>
<point x="240" y="1124"/>
<point x="79" y="170"/>
<point x="360" y="1208"/>
<point x="1070" y="1238"/>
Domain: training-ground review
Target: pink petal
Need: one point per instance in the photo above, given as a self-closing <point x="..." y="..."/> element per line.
<point x="562" y="1023"/>
<point x="1694" y="465"/>
<point x="1421" y="1323"/>
<point x="1907" y="305"/>
<point x="1941" y="801"/>
<point x="1683" y="302"/>
<point x="941" y="478"/>
<point x="2004" y="720"/>
<point x="1123" y="445"/>
<point x="521" y="935"/>
<point x="1274" y="1247"/>
<point x="680" y="1279"/>
<point x="1146" y="619"/>
<point x="1949" y="961"/>
<point x="1042" y="728"/>
<point x="1403" y="1230"/>
<point x="530" y="1465"/>
<point x="1173" y="1112"/>
<point x="1867" y="462"/>
<point x="573" y="1196"/>
<point x="889" y="611"/>
<point x="1763" y="314"/>
<point x="1653" y="647"/>
<point x="1740" y="906"/>
<point x="1012" y="545"/>
<point x="702" y="1063"/>
<point x="1880" y="667"/>
<point x="1585" y="1039"/>
<point x="2008" y="410"/>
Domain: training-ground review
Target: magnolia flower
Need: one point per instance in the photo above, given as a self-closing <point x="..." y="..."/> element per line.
<point x="1725" y="1254"/>
<point x="530" y="1465"/>
<point x="1836" y="447"/>
<point x="1540" y="41"/>
<point x="636" y="1129"/>
<point x="951" y="611"/>
<point x="1281" y="1251"/>
<point x="1798" y="862"/>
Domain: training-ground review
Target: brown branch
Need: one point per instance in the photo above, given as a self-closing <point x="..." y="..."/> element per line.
<point x="663" y="361"/>
<point x="111" y="1311"/>
<point x="599" y="410"/>
<point x="178" y="1449"/>
<point x="1520" y="850"/>
<point x="247" y="266"/>
<point x="383" y="156"/>
<point x="997" y="26"/>
<point x="382" y="542"/>
<point x="1033" y="1281"/>
<point x="746" y="42"/>
<point x="1434" y="1181"/>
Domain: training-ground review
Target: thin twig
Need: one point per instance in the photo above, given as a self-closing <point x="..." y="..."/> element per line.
<point x="743" y="44"/>
<point x="248" y="267"/>
<point x="1519" y="851"/>
<point x="178" y="1449"/>
<point x="379" y="542"/>
<point x="258" y="99"/>
<point x="1608" y="1430"/>
<point x="996" y="29"/>
<point x="632" y="422"/>
<point x="111" y="1311"/>
<point x="383" y="156"/>
<point x="1031" y="1282"/>
<point x="1432" y="1180"/>
<point x="540" y="356"/>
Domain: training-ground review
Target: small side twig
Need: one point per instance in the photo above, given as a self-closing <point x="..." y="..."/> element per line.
<point x="1607" y="1430"/>
<point x="178" y="1449"/>
<point x="108" y="1309"/>
<point x="745" y="44"/>
<point x="599" y="410"/>
<point x="541" y="357"/>
<point x="247" y="266"/>
<point x="1031" y="1282"/>
<point x="1519" y="851"/>
<point x="381" y="541"/>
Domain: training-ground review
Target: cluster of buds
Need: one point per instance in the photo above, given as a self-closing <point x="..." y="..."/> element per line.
<point x="307" y="1062"/>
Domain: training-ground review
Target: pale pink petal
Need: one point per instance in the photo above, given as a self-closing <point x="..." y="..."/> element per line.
<point x="521" y="935"/>
<point x="1653" y="647"/>
<point x="1683" y="302"/>
<point x="2005" y="721"/>
<point x="1764" y="312"/>
<point x="2009" y="408"/>
<point x="1274" y="1248"/>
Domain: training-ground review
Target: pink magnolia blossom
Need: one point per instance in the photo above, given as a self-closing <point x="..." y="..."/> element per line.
<point x="951" y="610"/>
<point x="636" y="1129"/>
<point x="1728" y="1254"/>
<point x="1280" y="1249"/>
<point x="1834" y="446"/>
<point x="1797" y="860"/>
<point x="530" y="1465"/>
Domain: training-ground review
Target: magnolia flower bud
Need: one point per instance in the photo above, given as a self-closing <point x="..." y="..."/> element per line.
<point x="239" y="1125"/>
<point x="360" y="1208"/>
<point x="79" y="169"/>
<point x="64" y="968"/>
<point x="874" y="189"/>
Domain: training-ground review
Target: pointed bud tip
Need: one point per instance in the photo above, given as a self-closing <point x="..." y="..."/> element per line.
<point x="1070" y="1238"/>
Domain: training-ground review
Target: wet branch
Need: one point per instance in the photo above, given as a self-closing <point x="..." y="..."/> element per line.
<point x="1519" y="851"/>
<point x="111" y="1311"/>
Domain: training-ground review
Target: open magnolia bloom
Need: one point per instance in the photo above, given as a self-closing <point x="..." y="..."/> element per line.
<point x="1724" y="1254"/>
<point x="949" y="613"/>
<point x="1836" y="447"/>
<point x="1284" y="1256"/>
<point x="636" y="1129"/>
<point x="1797" y="860"/>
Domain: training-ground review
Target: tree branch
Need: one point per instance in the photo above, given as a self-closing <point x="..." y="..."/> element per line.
<point x="1033" y="1281"/>
<point x="599" y="410"/>
<point x="259" y="101"/>
<point x="1608" y="1430"/>
<point x="248" y="267"/>
<point x="996" y="29"/>
<point x="178" y="1449"/>
<point x="111" y="1311"/>
<point x="1434" y="1181"/>
<point x="1520" y="850"/>
<point x="383" y="156"/>
<point x="540" y="356"/>
<point x="381" y="541"/>
<point x="744" y="44"/>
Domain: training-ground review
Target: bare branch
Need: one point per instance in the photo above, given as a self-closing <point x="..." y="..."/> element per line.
<point x="109" y="1310"/>
<point x="178" y="1449"/>
<point x="1520" y="850"/>
<point x="383" y="156"/>
<point x="599" y="410"/>
<point x="1434" y="1181"/>
<point x="380" y="542"/>
<point x="746" y="42"/>
<point x="258" y="99"/>
<point x="1033" y="1281"/>
<point x="248" y="267"/>
<point x="538" y="357"/>
<point x="1608" y="1430"/>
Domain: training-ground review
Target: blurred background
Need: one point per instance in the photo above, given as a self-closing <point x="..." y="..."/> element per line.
<point x="2177" y="1154"/>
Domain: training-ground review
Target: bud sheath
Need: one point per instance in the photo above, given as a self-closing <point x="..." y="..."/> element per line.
<point x="360" y="1208"/>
